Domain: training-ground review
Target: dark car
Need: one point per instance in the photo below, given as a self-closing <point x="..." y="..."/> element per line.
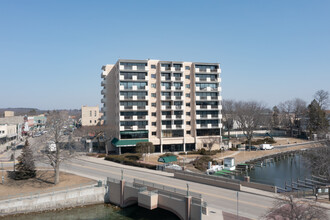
<point x="251" y="148"/>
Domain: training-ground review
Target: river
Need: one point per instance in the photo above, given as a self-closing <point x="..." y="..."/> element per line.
<point x="278" y="172"/>
<point x="99" y="212"/>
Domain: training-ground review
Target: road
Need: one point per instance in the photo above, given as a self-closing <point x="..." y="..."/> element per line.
<point x="250" y="205"/>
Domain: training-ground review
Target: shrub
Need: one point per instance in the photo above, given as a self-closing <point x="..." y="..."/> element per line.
<point x="202" y="163"/>
<point x="266" y="140"/>
<point x="168" y="154"/>
<point x="129" y="159"/>
<point x="145" y="147"/>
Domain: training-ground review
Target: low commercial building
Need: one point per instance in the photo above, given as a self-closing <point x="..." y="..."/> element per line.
<point x="8" y="114"/>
<point x="90" y="115"/>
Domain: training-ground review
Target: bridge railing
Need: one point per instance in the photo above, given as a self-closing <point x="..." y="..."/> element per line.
<point x="166" y="188"/>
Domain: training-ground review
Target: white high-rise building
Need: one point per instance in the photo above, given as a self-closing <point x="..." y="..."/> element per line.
<point x="174" y="105"/>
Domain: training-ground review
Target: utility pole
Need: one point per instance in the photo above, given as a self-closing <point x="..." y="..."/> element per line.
<point x="237" y="206"/>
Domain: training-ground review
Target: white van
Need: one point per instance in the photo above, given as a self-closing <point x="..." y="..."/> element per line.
<point x="266" y="147"/>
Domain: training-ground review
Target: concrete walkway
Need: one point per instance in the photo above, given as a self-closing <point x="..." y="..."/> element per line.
<point x="126" y="167"/>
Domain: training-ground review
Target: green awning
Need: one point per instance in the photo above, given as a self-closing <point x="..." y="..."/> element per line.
<point x="167" y="159"/>
<point x="127" y="143"/>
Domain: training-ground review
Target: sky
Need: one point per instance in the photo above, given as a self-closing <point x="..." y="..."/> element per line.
<point x="51" y="52"/>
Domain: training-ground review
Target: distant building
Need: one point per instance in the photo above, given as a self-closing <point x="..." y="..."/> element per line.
<point x="10" y="128"/>
<point x="8" y="114"/>
<point x="90" y="115"/>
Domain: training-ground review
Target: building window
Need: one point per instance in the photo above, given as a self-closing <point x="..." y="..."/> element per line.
<point x="188" y="104"/>
<point x="153" y="114"/>
<point x="204" y="145"/>
<point x="153" y="85"/>
<point x="90" y="121"/>
<point x="153" y="94"/>
<point x="188" y="122"/>
<point x="94" y="121"/>
<point x="154" y="133"/>
<point x="153" y="104"/>
<point x="188" y="86"/>
<point x="187" y="67"/>
<point x="90" y="113"/>
<point x="95" y="113"/>
<point x="188" y="132"/>
<point x="187" y="76"/>
<point x="188" y="95"/>
<point x="153" y="76"/>
<point x="153" y="123"/>
<point x="188" y="113"/>
<point x="153" y="66"/>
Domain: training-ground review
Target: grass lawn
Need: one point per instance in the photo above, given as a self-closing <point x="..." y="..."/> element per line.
<point x="42" y="183"/>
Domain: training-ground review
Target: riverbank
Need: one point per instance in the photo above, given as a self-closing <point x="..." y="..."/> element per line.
<point x="244" y="156"/>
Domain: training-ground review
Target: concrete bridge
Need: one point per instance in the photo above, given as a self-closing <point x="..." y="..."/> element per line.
<point x="186" y="205"/>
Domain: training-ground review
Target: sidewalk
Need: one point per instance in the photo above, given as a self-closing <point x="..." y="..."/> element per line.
<point x="113" y="164"/>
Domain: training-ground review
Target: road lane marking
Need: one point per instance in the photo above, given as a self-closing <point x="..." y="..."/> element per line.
<point x="178" y="187"/>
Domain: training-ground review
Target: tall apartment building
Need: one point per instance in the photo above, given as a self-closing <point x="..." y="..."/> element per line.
<point x="90" y="115"/>
<point x="174" y="105"/>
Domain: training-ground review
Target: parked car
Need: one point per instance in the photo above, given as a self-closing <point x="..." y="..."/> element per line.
<point x="266" y="147"/>
<point x="251" y="148"/>
<point x="51" y="146"/>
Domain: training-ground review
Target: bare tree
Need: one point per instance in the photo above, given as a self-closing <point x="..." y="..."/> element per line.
<point x="210" y="142"/>
<point x="292" y="112"/>
<point x="290" y="208"/>
<point x="319" y="162"/>
<point x="322" y="97"/>
<point x="56" y="123"/>
<point x="93" y="132"/>
<point x="228" y="110"/>
<point x="249" y="116"/>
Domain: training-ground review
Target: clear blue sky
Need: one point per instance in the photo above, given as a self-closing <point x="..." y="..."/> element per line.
<point x="51" y="52"/>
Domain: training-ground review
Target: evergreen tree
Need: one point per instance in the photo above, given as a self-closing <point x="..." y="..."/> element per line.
<point x="317" y="121"/>
<point x="25" y="169"/>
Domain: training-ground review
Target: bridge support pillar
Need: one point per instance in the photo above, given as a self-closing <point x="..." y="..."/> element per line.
<point x="188" y="207"/>
<point x="122" y="185"/>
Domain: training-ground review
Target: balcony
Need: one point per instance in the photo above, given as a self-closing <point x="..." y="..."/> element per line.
<point x="103" y="100"/>
<point x="163" y="68"/>
<point x="172" y="127"/>
<point x="103" y="83"/>
<point x="176" y="117"/>
<point x="176" y="107"/>
<point x="166" y="107"/>
<point x="103" y="109"/>
<point x="104" y="74"/>
<point x="166" y="97"/>
<point x="133" y="68"/>
<point x="103" y="91"/>
<point x="166" y="117"/>
<point x="163" y="78"/>
<point x="179" y="88"/>
<point x="164" y="88"/>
